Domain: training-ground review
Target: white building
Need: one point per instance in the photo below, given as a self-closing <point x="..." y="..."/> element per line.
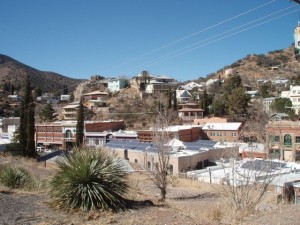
<point x="294" y="95"/>
<point x="267" y="103"/>
<point x="116" y="84"/>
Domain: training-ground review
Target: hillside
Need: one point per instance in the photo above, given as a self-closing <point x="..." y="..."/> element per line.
<point x="275" y="64"/>
<point x="15" y="72"/>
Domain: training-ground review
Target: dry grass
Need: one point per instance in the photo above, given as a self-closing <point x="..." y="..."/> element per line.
<point x="188" y="202"/>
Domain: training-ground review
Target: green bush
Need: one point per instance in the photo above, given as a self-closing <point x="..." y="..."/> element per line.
<point x="14" y="177"/>
<point x="89" y="180"/>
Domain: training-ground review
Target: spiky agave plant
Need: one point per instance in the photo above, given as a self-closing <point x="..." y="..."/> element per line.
<point x="90" y="180"/>
<point x="15" y="177"/>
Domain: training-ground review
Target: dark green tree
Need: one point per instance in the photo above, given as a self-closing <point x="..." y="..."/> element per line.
<point x="170" y="93"/>
<point x="264" y="90"/>
<point x="65" y="91"/>
<point x="80" y="125"/>
<point x="204" y="102"/>
<point x="283" y="105"/>
<point x="232" y="83"/>
<point x="12" y="89"/>
<point x="46" y="114"/>
<point x="237" y="102"/>
<point x="174" y="100"/>
<point x="218" y="106"/>
<point x="27" y="122"/>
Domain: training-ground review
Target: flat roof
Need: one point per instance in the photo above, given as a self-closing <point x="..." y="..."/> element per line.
<point x="222" y="126"/>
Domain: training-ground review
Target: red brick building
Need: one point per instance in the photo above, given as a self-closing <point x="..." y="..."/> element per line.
<point x="182" y="133"/>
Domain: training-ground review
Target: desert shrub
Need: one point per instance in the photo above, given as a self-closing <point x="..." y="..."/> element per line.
<point x="89" y="180"/>
<point x="14" y="177"/>
<point x="215" y="213"/>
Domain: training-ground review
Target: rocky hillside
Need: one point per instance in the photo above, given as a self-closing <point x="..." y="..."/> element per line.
<point x="15" y="72"/>
<point x="275" y="64"/>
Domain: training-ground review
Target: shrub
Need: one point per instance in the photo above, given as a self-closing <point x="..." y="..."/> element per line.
<point x="14" y="177"/>
<point x="89" y="180"/>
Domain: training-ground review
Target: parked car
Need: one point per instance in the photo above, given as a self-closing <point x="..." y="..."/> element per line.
<point x="40" y="149"/>
<point x="48" y="150"/>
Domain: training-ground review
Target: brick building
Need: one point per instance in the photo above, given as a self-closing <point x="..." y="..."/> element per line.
<point x="183" y="133"/>
<point x="284" y="140"/>
<point x="222" y="132"/>
<point x="62" y="134"/>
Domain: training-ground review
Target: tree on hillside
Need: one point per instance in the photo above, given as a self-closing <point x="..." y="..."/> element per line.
<point x="46" y="114"/>
<point x="80" y="125"/>
<point x="237" y="102"/>
<point x="205" y="102"/>
<point x="232" y="83"/>
<point x="65" y="90"/>
<point x="218" y="106"/>
<point x="283" y="105"/>
<point x="265" y="90"/>
<point x="174" y="100"/>
<point x="27" y="122"/>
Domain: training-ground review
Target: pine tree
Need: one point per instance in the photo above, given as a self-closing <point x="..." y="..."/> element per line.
<point x="204" y="102"/>
<point x="27" y="122"/>
<point x="46" y="114"/>
<point x="80" y="125"/>
<point x="170" y="99"/>
<point x="174" y="100"/>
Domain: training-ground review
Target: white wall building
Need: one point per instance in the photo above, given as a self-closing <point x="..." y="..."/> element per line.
<point x="294" y="95"/>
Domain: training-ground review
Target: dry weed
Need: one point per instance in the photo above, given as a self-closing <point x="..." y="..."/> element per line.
<point x="215" y="213"/>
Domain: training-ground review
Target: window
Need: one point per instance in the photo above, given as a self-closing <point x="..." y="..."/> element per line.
<point x="287" y="140"/>
<point x="68" y="134"/>
<point x="297" y="139"/>
<point x="274" y="138"/>
<point x="234" y="134"/>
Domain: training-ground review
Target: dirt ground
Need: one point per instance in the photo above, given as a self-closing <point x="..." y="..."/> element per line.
<point x="188" y="202"/>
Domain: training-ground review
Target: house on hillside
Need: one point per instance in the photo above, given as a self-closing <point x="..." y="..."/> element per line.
<point x="294" y="95"/>
<point x="95" y="95"/>
<point x="267" y="102"/>
<point x="183" y="96"/>
<point x="161" y="84"/>
<point x="189" y="112"/>
<point x="116" y="84"/>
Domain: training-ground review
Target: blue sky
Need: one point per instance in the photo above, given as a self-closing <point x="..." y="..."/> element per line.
<point x="184" y="39"/>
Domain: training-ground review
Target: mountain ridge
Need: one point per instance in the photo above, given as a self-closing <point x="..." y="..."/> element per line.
<point x="15" y="72"/>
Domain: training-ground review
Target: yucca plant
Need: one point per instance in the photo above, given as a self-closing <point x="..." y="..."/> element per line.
<point x="89" y="180"/>
<point x="15" y="177"/>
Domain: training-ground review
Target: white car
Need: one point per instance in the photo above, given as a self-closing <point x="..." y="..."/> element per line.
<point x="39" y="149"/>
<point x="48" y="150"/>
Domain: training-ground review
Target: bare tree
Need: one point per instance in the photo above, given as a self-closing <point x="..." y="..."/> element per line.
<point x="248" y="181"/>
<point x="160" y="162"/>
<point x="247" y="184"/>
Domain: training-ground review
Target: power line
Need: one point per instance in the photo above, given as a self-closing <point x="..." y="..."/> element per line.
<point x="172" y="54"/>
<point x="191" y="35"/>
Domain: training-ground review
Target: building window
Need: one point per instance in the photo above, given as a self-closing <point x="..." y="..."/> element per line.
<point x="297" y="139"/>
<point x="287" y="140"/>
<point x="68" y="134"/>
<point x="274" y="138"/>
<point x="234" y="134"/>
